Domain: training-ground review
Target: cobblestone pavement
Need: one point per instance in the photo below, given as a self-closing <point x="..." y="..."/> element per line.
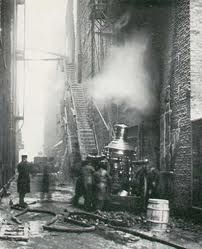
<point x="40" y="239"/>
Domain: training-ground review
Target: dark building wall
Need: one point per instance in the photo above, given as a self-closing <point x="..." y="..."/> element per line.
<point x="168" y="63"/>
<point x="7" y="88"/>
<point x="85" y="28"/>
<point x="95" y="47"/>
<point x="175" y="109"/>
<point x="149" y="141"/>
<point x="197" y="163"/>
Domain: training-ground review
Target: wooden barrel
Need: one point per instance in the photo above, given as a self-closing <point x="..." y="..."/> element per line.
<point x="158" y="214"/>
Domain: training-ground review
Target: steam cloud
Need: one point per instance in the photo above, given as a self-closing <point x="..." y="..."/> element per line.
<point x="125" y="78"/>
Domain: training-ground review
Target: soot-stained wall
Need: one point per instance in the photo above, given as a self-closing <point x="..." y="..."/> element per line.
<point x="167" y="61"/>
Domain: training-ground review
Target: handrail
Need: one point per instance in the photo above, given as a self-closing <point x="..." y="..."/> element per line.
<point x="96" y="140"/>
<point x="67" y="128"/>
<point x="103" y="120"/>
<point x="101" y="116"/>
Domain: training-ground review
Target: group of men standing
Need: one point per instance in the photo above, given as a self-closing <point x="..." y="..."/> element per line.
<point x="23" y="182"/>
<point x="93" y="184"/>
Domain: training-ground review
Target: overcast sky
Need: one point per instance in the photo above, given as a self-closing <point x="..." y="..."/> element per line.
<point x="45" y="31"/>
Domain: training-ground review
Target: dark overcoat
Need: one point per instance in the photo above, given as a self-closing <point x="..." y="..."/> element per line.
<point x="45" y="180"/>
<point x="23" y="182"/>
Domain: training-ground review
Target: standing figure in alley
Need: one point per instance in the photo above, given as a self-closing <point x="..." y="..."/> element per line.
<point x="45" y="184"/>
<point x="84" y="185"/>
<point x="23" y="181"/>
<point x="153" y="182"/>
<point x="102" y="185"/>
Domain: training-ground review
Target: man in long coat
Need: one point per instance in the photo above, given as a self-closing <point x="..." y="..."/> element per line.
<point x="23" y="181"/>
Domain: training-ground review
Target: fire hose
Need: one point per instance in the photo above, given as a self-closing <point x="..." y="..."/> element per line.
<point x="49" y="225"/>
<point x="84" y="227"/>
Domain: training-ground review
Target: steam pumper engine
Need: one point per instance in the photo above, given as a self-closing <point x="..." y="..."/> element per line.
<point x="123" y="163"/>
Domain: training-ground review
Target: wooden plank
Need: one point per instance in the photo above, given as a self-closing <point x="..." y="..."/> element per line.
<point x="14" y="232"/>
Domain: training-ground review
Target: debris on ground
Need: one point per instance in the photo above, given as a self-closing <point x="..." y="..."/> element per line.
<point x="117" y="236"/>
<point x="14" y="232"/>
<point x="186" y="225"/>
<point x="114" y="218"/>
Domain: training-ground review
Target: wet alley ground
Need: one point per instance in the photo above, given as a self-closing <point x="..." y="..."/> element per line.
<point x="99" y="239"/>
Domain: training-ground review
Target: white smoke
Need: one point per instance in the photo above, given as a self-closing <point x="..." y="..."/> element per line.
<point x="125" y="78"/>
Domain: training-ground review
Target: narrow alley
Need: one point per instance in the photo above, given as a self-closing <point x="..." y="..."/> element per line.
<point x="100" y="124"/>
<point x="37" y="237"/>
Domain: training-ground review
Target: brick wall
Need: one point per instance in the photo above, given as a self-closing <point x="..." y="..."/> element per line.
<point x="85" y="25"/>
<point x="196" y="58"/>
<point x="175" y="110"/>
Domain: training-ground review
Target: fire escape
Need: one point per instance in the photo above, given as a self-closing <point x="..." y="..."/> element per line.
<point x="80" y="133"/>
<point x="103" y="21"/>
<point x="108" y="17"/>
<point x="102" y="30"/>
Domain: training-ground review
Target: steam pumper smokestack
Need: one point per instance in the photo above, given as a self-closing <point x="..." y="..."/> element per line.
<point x="120" y="141"/>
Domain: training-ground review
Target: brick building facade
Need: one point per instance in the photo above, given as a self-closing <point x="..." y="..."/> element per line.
<point x="7" y="91"/>
<point x="176" y="136"/>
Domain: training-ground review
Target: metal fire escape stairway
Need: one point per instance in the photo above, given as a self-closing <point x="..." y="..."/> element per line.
<point x="86" y="137"/>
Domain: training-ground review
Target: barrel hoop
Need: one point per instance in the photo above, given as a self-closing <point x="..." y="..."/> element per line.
<point x="158" y="222"/>
<point x="158" y="201"/>
<point x="166" y="209"/>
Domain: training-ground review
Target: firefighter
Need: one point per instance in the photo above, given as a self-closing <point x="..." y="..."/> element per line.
<point x="84" y="185"/>
<point x="79" y="191"/>
<point x="23" y="181"/>
<point x="45" y="184"/>
<point x="87" y="174"/>
<point x="102" y="185"/>
<point x="79" y="187"/>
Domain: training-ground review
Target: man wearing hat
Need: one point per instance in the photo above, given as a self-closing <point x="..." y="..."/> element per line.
<point x="23" y="181"/>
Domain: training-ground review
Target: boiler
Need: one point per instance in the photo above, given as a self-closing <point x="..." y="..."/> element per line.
<point x="120" y="154"/>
